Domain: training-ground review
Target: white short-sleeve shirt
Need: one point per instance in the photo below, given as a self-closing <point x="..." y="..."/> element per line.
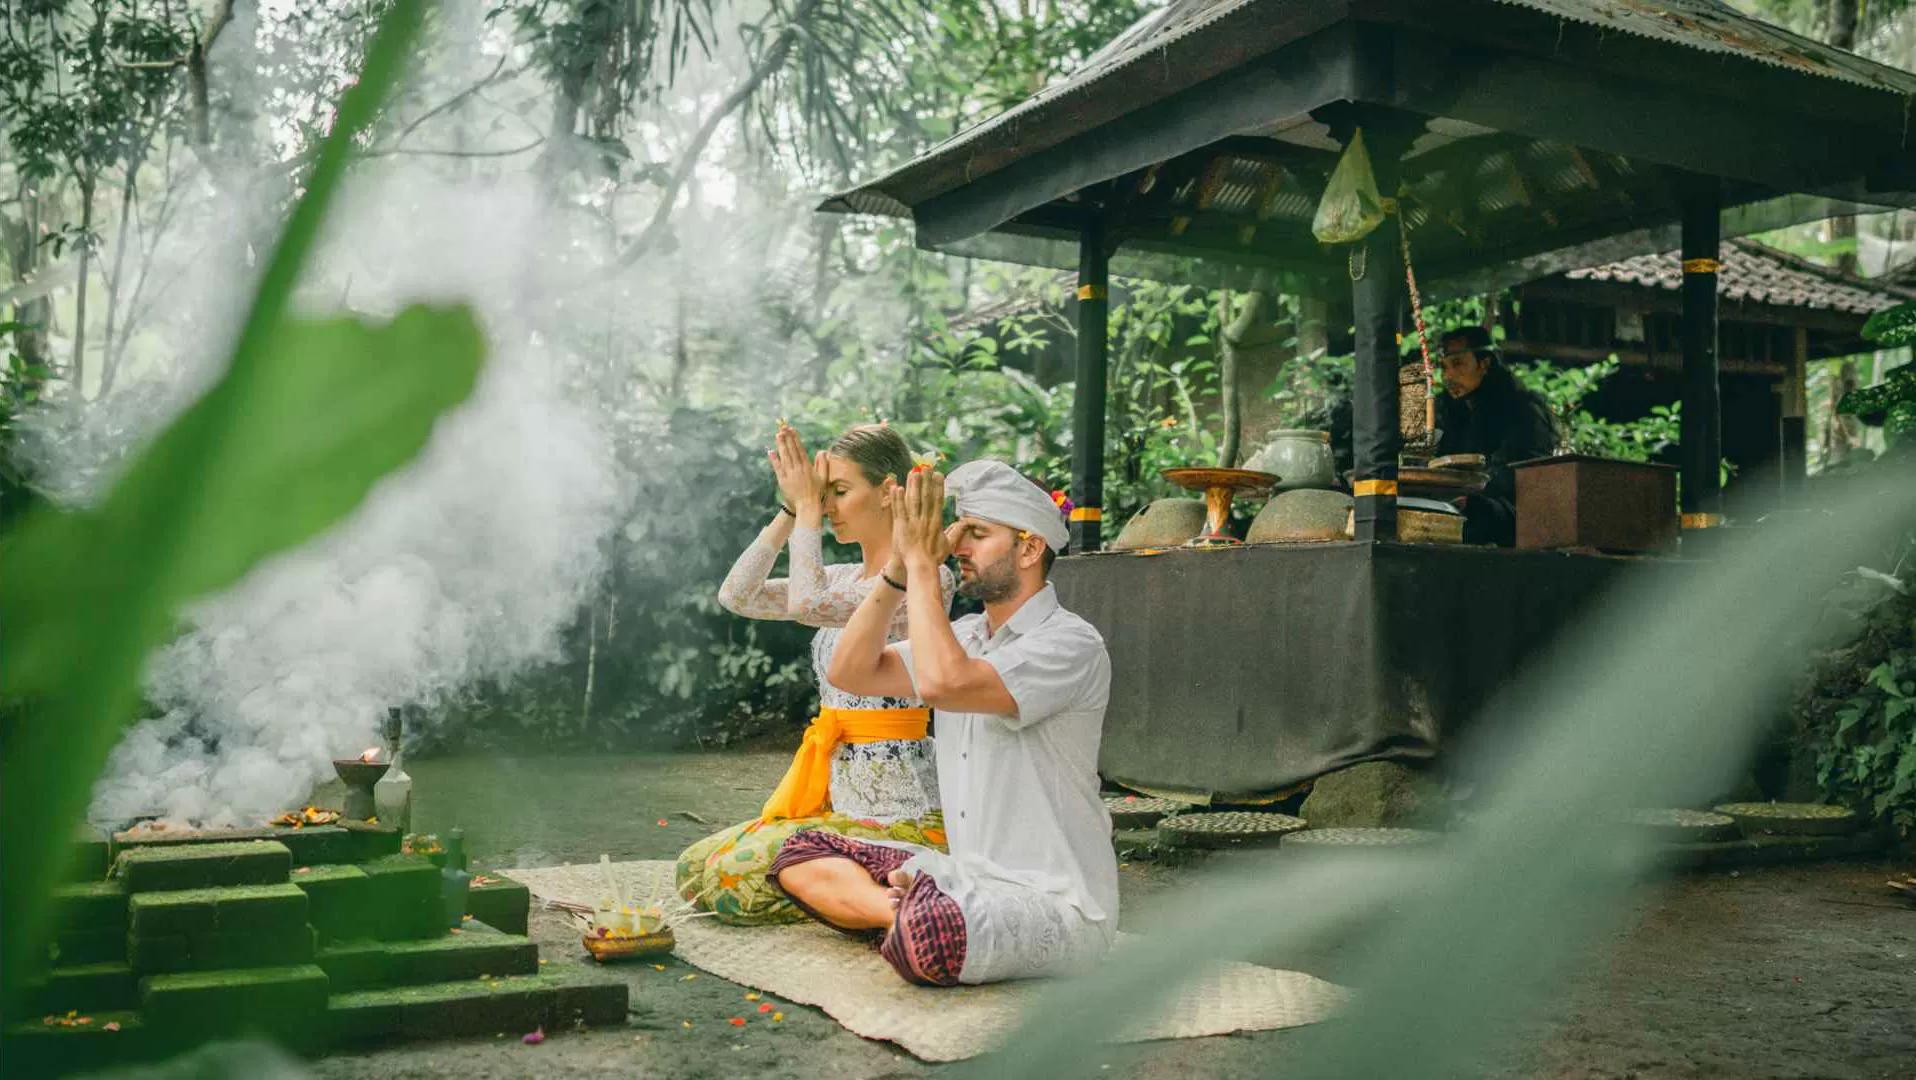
<point x="1021" y="792"/>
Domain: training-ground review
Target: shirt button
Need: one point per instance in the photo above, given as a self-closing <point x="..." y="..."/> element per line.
<point x="961" y="813"/>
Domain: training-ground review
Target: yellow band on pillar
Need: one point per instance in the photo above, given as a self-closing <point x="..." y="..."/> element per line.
<point x="1086" y="513"/>
<point x="1699" y="520"/>
<point x="1091" y="292"/>
<point x="1376" y="487"/>
<point x="1701" y="266"/>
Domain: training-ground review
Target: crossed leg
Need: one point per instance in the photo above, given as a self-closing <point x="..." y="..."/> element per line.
<point x="840" y="882"/>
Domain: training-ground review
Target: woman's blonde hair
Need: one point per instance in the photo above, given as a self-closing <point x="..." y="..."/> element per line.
<point x="877" y="450"/>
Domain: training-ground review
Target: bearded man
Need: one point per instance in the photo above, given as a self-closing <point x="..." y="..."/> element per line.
<point x="1030" y="887"/>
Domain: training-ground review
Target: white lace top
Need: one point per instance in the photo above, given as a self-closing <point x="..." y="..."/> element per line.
<point x="881" y="781"/>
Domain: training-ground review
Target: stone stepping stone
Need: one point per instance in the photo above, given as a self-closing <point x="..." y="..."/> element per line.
<point x="1795" y="819"/>
<point x="1679" y="826"/>
<point x="1335" y="839"/>
<point x="1228" y="829"/>
<point x="1141" y="811"/>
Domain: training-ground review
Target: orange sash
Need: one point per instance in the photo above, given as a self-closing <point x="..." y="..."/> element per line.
<point x="806" y="789"/>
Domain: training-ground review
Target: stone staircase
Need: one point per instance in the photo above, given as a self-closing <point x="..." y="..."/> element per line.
<point x="186" y="940"/>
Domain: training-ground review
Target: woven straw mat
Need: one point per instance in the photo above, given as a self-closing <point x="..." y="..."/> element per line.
<point x="812" y="965"/>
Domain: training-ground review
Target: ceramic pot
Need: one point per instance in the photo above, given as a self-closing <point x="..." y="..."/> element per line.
<point x="1294" y="517"/>
<point x="1164" y="523"/>
<point x="1301" y="459"/>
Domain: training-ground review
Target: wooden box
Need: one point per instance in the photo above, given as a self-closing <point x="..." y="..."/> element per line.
<point x="1579" y="501"/>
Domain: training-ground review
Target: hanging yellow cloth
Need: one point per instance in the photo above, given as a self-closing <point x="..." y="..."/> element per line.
<point x="806" y="789"/>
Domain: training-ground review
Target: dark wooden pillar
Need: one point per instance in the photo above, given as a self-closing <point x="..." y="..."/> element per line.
<point x="1795" y="434"/>
<point x="1700" y="446"/>
<point x="1088" y="393"/>
<point x="1377" y="298"/>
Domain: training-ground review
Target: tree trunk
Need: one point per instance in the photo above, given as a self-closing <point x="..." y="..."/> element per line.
<point x="110" y="354"/>
<point x="32" y="315"/>
<point x="1227" y="380"/>
<point x="1254" y="350"/>
<point x="1840" y="431"/>
<point x="681" y="359"/>
<point x="78" y="371"/>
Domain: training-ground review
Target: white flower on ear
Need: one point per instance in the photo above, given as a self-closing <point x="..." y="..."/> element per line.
<point x="926" y="461"/>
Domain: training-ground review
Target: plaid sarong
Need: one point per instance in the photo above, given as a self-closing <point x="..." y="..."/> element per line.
<point x="926" y="944"/>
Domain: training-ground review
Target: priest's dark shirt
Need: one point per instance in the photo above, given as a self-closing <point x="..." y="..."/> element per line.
<point x="1506" y="423"/>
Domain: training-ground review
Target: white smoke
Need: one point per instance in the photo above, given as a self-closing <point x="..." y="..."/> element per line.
<point x="466" y="565"/>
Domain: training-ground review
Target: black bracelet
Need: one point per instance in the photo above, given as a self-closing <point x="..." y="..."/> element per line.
<point x="783" y="509"/>
<point x="890" y="582"/>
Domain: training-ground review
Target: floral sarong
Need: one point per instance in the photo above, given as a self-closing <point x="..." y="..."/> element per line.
<point x="725" y="872"/>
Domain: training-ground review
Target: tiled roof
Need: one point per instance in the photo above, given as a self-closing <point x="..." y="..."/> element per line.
<point x="1759" y="274"/>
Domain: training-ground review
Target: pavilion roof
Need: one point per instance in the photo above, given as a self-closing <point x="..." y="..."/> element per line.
<point x="1547" y="133"/>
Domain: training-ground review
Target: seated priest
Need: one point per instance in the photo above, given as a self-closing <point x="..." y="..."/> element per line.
<point x="1484" y="410"/>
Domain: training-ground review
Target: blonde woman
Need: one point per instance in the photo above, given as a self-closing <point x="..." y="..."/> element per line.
<point x="865" y="768"/>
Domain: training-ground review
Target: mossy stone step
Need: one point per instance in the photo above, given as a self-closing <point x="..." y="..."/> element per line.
<point x="92" y="856"/>
<point x="315" y="844"/>
<point x="558" y="997"/>
<point x="285" y="1002"/>
<point x="308" y="843"/>
<point x="166" y="868"/>
<point x="340" y="900"/>
<point x="500" y="903"/>
<point x="405" y="897"/>
<point x="90" y="906"/>
<point x="37" y="1048"/>
<point x="88" y="988"/>
<point x="371" y="840"/>
<point x="124" y="842"/>
<point x="277" y="908"/>
<point x="221" y="950"/>
<point x="88" y="947"/>
<point x="365" y="965"/>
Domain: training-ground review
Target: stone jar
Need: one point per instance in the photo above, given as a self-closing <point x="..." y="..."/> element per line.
<point x="1300" y="458"/>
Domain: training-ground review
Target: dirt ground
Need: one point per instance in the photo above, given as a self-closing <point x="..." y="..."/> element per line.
<point x="1802" y="971"/>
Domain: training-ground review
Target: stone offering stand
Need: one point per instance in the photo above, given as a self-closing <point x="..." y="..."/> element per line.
<point x="313" y="937"/>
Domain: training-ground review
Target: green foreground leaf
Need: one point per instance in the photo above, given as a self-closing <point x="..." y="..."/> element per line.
<point x="253" y="469"/>
<point x="309" y="415"/>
